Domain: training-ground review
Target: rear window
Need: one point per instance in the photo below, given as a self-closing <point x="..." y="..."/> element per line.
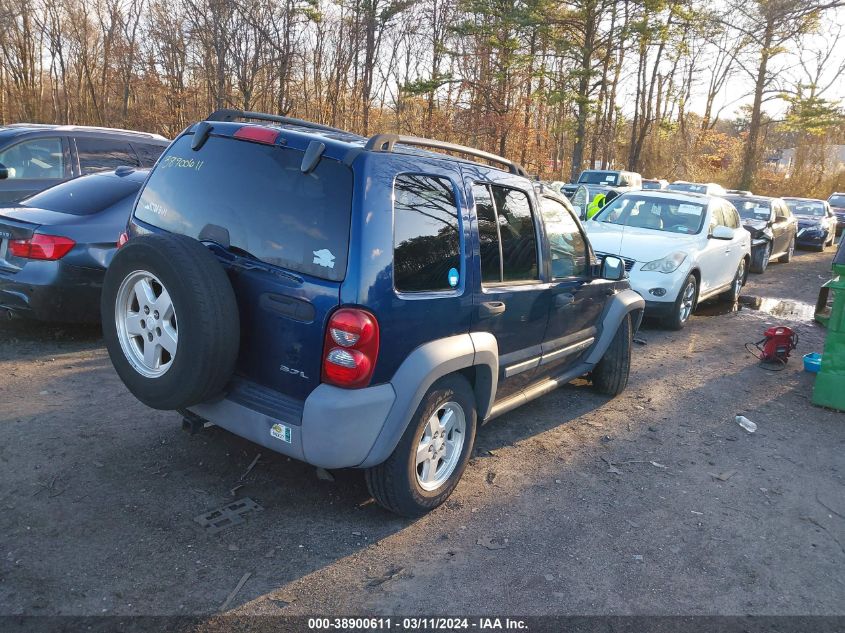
<point x="258" y="194"/>
<point x="84" y="196"/>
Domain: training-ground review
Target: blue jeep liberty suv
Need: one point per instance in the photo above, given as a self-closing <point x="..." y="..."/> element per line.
<point x="354" y="302"/>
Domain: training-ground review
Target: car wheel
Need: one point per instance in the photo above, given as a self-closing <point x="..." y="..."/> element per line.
<point x="790" y="251"/>
<point x="760" y="258"/>
<point x="432" y="454"/>
<point x="684" y="304"/>
<point x="170" y="321"/>
<point x="732" y="295"/>
<point x="610" y="376"/>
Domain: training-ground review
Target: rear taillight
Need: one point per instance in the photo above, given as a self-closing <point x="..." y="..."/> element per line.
<point x="122" y="239"/>
<point x="351" y="348"/>
<point x="45" y="247"/>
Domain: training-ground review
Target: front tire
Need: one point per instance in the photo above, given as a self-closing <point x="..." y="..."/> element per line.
<point x="684" y="304"/>
<point x="610" y="376"/>
<point x="760" y="259"/>
<point x="432" y="454"/>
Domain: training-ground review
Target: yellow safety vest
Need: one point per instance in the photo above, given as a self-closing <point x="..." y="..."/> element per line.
<point x="596" y="205"/>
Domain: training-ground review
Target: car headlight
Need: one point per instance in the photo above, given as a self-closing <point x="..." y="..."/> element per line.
<point x="668" y="264"/>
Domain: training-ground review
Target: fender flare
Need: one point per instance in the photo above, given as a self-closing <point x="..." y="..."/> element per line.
<point x="617" y="308"/>
<point x="419" y="371"/>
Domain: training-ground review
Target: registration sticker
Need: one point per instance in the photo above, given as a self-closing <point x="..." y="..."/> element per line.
<point x="281" y="432"/>
<point x="689" y="209"/>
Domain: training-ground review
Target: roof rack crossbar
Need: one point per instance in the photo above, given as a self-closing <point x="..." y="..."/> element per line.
<point x="231" y="115"/>
<point x="386" y="143"/>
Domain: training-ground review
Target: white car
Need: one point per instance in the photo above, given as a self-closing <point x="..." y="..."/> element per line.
<point x="678" y="248"/>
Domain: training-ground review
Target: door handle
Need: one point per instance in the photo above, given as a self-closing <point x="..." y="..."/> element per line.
<point x="490" y="309"/>
<point x="564" y="299"/>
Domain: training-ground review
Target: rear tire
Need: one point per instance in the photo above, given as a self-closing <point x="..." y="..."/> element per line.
<point x="610" y="376"/>
<point x="760" y="259"/>
<point x="732" y="295"/>
<point x="402" y="484"/>
<point x="202" y="331"/>
<point x="790" y="251"/>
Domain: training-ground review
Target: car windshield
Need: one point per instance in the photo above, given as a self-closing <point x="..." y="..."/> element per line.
<point x="687" y="186"/>
<point x="659" y="214"/>
<point x="752" y="209"/>
<point x="651" y="184"/>
<point x="837" y="200"/>
<point x="84" y="196"/>
<point x="599" y="177"/>
<point x="811" y="208"/>
<point x="256" y="196"/>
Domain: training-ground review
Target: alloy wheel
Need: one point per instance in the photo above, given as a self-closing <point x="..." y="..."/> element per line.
<point x="147" y="328"/>
<point x="439" y="450"/>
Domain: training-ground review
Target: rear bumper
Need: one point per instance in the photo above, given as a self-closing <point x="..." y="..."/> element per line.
<point x="53" y="291"/>
<point x="338" y="427"/>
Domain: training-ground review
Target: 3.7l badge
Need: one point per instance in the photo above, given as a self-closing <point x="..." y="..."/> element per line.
<point x="291" y="370"/>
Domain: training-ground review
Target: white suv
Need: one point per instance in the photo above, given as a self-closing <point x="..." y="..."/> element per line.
<point x="679" y="248"/>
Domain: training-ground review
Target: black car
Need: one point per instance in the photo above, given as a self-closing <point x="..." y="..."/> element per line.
<point x="55" y="246"/>
<point x="837" y="205"/>
<point x="772" y="226"/>
<point x="816" y="222"/>
<point x="34" y="157"/>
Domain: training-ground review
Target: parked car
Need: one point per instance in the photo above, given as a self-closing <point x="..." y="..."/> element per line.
<point x="354" y="302"/>
<point x="56" y="245"/>
<point x="605" y="180"/>
<point x="837" y="204"/>
<point x="655" y="183"/>
<point x="34" y="157"/>
<point x="705" y="188"/>
<point x="772" y="226"/>
<point x="679" y="249"/>
<point x="816" y="222"/>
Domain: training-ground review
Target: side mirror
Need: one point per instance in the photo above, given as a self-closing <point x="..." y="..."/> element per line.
<point x="722" y="233"/>
<point x="612" y="268"/>
<point x="5" y="172"/>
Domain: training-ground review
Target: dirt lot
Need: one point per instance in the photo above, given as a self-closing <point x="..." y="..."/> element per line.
<point x="653" y="503"/>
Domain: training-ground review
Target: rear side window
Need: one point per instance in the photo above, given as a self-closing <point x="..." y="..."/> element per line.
<point x="148" y="154"/>
<point x="97" y="154"/>
<point x="258" y="195"/>
<point x="516" y="238"/>
<point x="426" y="239"/>
<point x="85" y="195"/>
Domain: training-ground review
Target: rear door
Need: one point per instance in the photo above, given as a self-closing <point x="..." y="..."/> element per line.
<point x="577" y="301"/>
<point x="512" y="301"/>
<point x="282" y="236"/>
<point x="97" y="154"/>
<point x="34" y="165"/>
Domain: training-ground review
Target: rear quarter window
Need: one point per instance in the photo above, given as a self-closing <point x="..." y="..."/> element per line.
<point x="259" y="196"/>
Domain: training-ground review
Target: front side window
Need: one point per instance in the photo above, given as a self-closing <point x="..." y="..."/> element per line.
<point x="147" y="154"/>
<point x="97" y="154"/>
<point x="426" y="234"/>
<point x="38" y="159"/>
<point x="259" y="198"/>
<point x="568" y="248"/>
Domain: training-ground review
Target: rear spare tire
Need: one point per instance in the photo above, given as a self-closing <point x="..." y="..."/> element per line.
<point x="170" y="321"/>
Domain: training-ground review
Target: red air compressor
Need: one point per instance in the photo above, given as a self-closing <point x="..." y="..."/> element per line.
<point x="776" y="345"/>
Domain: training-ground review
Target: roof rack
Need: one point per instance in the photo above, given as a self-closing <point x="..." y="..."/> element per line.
<point x="86" y="128"/>
<point x="231" y="115"/>
<point x="386" y="143"/>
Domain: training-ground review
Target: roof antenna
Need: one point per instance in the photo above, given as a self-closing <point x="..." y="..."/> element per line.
<point x="313" y="154"/>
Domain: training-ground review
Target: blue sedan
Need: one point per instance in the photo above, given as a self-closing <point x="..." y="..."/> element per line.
<point x="55" y="246"/>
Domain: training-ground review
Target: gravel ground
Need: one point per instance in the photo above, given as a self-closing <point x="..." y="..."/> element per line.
<point x="655" y="502"/>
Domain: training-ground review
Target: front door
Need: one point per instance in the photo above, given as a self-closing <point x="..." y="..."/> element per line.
<point x="512" y="301"/>
<point x="577" y="300"/>
<point x="33" y="165"/>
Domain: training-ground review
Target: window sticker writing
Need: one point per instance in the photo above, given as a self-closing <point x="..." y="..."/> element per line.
<point x="182" y="163"/>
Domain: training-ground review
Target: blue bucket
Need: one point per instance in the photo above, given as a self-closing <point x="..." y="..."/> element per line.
<point x="812" y="362"/>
